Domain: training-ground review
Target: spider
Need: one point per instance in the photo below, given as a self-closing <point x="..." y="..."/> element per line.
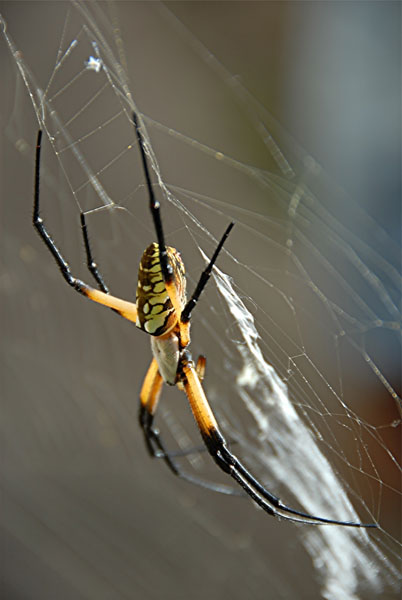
<point x="162" y="311"/>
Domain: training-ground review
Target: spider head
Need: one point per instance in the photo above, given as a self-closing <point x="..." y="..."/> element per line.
<point x="156" y="314"/>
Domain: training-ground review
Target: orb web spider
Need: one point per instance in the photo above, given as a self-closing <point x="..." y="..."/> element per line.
<point x="162" y="311"/>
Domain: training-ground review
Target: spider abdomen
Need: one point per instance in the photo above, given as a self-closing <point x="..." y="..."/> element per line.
<point x="156" y="314"/>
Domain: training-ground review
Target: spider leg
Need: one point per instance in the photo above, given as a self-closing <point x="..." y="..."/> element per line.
<point x="200" y="369"/>
<point x="148" y="392"/>
<point x="155" y="208"/>
<point x="167" y="270"/>
<point x="230" y="464"/>
<point x="91" y="264"/>
<point x="128" y="310"/>
<point x="205" y="275"/>
<point x="149" y="399"/>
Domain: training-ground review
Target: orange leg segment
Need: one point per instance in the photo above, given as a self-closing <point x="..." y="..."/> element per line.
<point x="151" y="389"/>
<point x="128" y="310"/>
<point x="198" y="401"/>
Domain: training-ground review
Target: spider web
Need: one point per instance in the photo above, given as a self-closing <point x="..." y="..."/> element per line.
<point x="300" y="325"/>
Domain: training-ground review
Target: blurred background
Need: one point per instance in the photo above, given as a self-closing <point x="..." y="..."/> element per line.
<point x="314" y="257"/>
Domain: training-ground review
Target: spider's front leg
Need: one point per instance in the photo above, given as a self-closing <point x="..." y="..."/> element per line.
<point x="128" y="310"/>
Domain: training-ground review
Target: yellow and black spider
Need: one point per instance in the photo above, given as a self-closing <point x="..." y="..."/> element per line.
<point x="163" y="312"/>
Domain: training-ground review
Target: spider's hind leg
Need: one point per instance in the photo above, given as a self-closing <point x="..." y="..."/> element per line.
<point x="149" y="399"/>
<point x="231" y="465"/>
<point x="157" y="449"/>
